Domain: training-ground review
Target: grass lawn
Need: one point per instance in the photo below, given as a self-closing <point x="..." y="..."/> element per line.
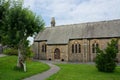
<point x="7" y="71"/>
<point x="83" y="72"/>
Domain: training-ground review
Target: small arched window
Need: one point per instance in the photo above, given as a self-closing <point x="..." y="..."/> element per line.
<point x="93" y="48"/>
<point x="75" y="48"/>
<point x="44" y="48"/>
<point x="97" y="45"/>
<point x="72" y="48"/>
<point x="79" y="48"/>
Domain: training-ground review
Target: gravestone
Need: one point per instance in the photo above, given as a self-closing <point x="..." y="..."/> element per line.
<point x="0" y="49"/>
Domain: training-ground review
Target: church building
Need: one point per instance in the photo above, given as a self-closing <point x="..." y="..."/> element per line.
<point x="75" y="42"/>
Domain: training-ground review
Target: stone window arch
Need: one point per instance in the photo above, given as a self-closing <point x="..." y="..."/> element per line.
<point x="44" y="48"/>
<point x="76" y="48"/>
<point x="79" y="48"/>
<point x="72" y="48"/>
<point x="94" y="46"/>
<point x="97" y="45"/>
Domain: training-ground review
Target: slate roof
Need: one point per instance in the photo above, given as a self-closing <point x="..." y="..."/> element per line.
<point x="62" y="34"/>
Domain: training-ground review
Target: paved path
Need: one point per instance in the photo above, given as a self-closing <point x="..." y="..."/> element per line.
<point x="2" y="55"/>
<point x="46" y="74"/>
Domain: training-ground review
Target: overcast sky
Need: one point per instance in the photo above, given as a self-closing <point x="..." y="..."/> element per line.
<point x="75" y="11"/>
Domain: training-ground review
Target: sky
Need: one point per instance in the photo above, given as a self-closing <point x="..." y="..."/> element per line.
<point x="74" y="11"/>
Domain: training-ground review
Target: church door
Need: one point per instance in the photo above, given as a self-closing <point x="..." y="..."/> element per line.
<point x="57" y="53"/>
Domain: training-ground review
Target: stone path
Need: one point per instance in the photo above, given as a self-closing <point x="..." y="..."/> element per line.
<point x="2" y="55"/>
<point x="46" y="74"/>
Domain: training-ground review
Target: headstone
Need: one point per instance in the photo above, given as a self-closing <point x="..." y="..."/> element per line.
<point x="0" y="49"/>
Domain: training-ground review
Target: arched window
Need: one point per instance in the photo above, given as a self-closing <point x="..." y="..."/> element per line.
<point x="97" y="45"/>
<point x="79" y="48"/>
<point x="93" y="48"/>
<point x="44" y="48"/>
<point x="75" y="48"/>
<point x="72" y="48"/>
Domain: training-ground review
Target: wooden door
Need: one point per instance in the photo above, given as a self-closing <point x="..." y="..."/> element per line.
<point x="57" y="53"/>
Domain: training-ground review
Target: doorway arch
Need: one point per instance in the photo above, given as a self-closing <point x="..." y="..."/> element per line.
<point x="57" y="53"/>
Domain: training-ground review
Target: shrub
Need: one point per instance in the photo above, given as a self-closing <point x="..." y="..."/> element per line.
<point x="28" y="53"/>
<point x="105" y="59"/>
<point x="10" y="51"/>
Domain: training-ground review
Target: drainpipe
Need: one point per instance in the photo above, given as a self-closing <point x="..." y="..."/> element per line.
<point x="38" y="51"/>
<point x="89" y="51"/>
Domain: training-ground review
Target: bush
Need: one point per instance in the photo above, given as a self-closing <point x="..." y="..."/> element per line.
<point x="105" y="59"/>
<point x="28" y="53"/>
<point x="10" y="51"/>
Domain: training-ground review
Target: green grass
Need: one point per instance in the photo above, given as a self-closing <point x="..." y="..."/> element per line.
<point x="83" y="72"/>
<point x="7" y="71"/>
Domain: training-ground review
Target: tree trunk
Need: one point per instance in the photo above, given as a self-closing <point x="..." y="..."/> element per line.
<point x="21" y="61"/>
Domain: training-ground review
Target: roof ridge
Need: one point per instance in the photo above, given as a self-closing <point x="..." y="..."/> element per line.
<point x="86" y="23"/>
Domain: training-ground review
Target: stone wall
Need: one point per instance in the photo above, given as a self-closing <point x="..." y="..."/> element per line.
<point x="63" y="51"/>
<point x="35" y="50"/>
<point x="102" y="45"/>
<point x="75" y="56"/>
<point x="86" y="54"/>
<point x="118" y="55"/>
<point x="42" y="55"/>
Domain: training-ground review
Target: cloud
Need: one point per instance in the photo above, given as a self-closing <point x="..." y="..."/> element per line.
<point x="75" y="11"/>
<point x="67" y="12"/>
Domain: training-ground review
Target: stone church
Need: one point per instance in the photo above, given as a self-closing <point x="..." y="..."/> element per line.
<point x="75" y="42"/>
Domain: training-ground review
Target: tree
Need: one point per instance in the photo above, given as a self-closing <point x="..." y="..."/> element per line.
<point x="105" y="59"/>
<point x="4" y="7"/>
<point x="20" y="23"/>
